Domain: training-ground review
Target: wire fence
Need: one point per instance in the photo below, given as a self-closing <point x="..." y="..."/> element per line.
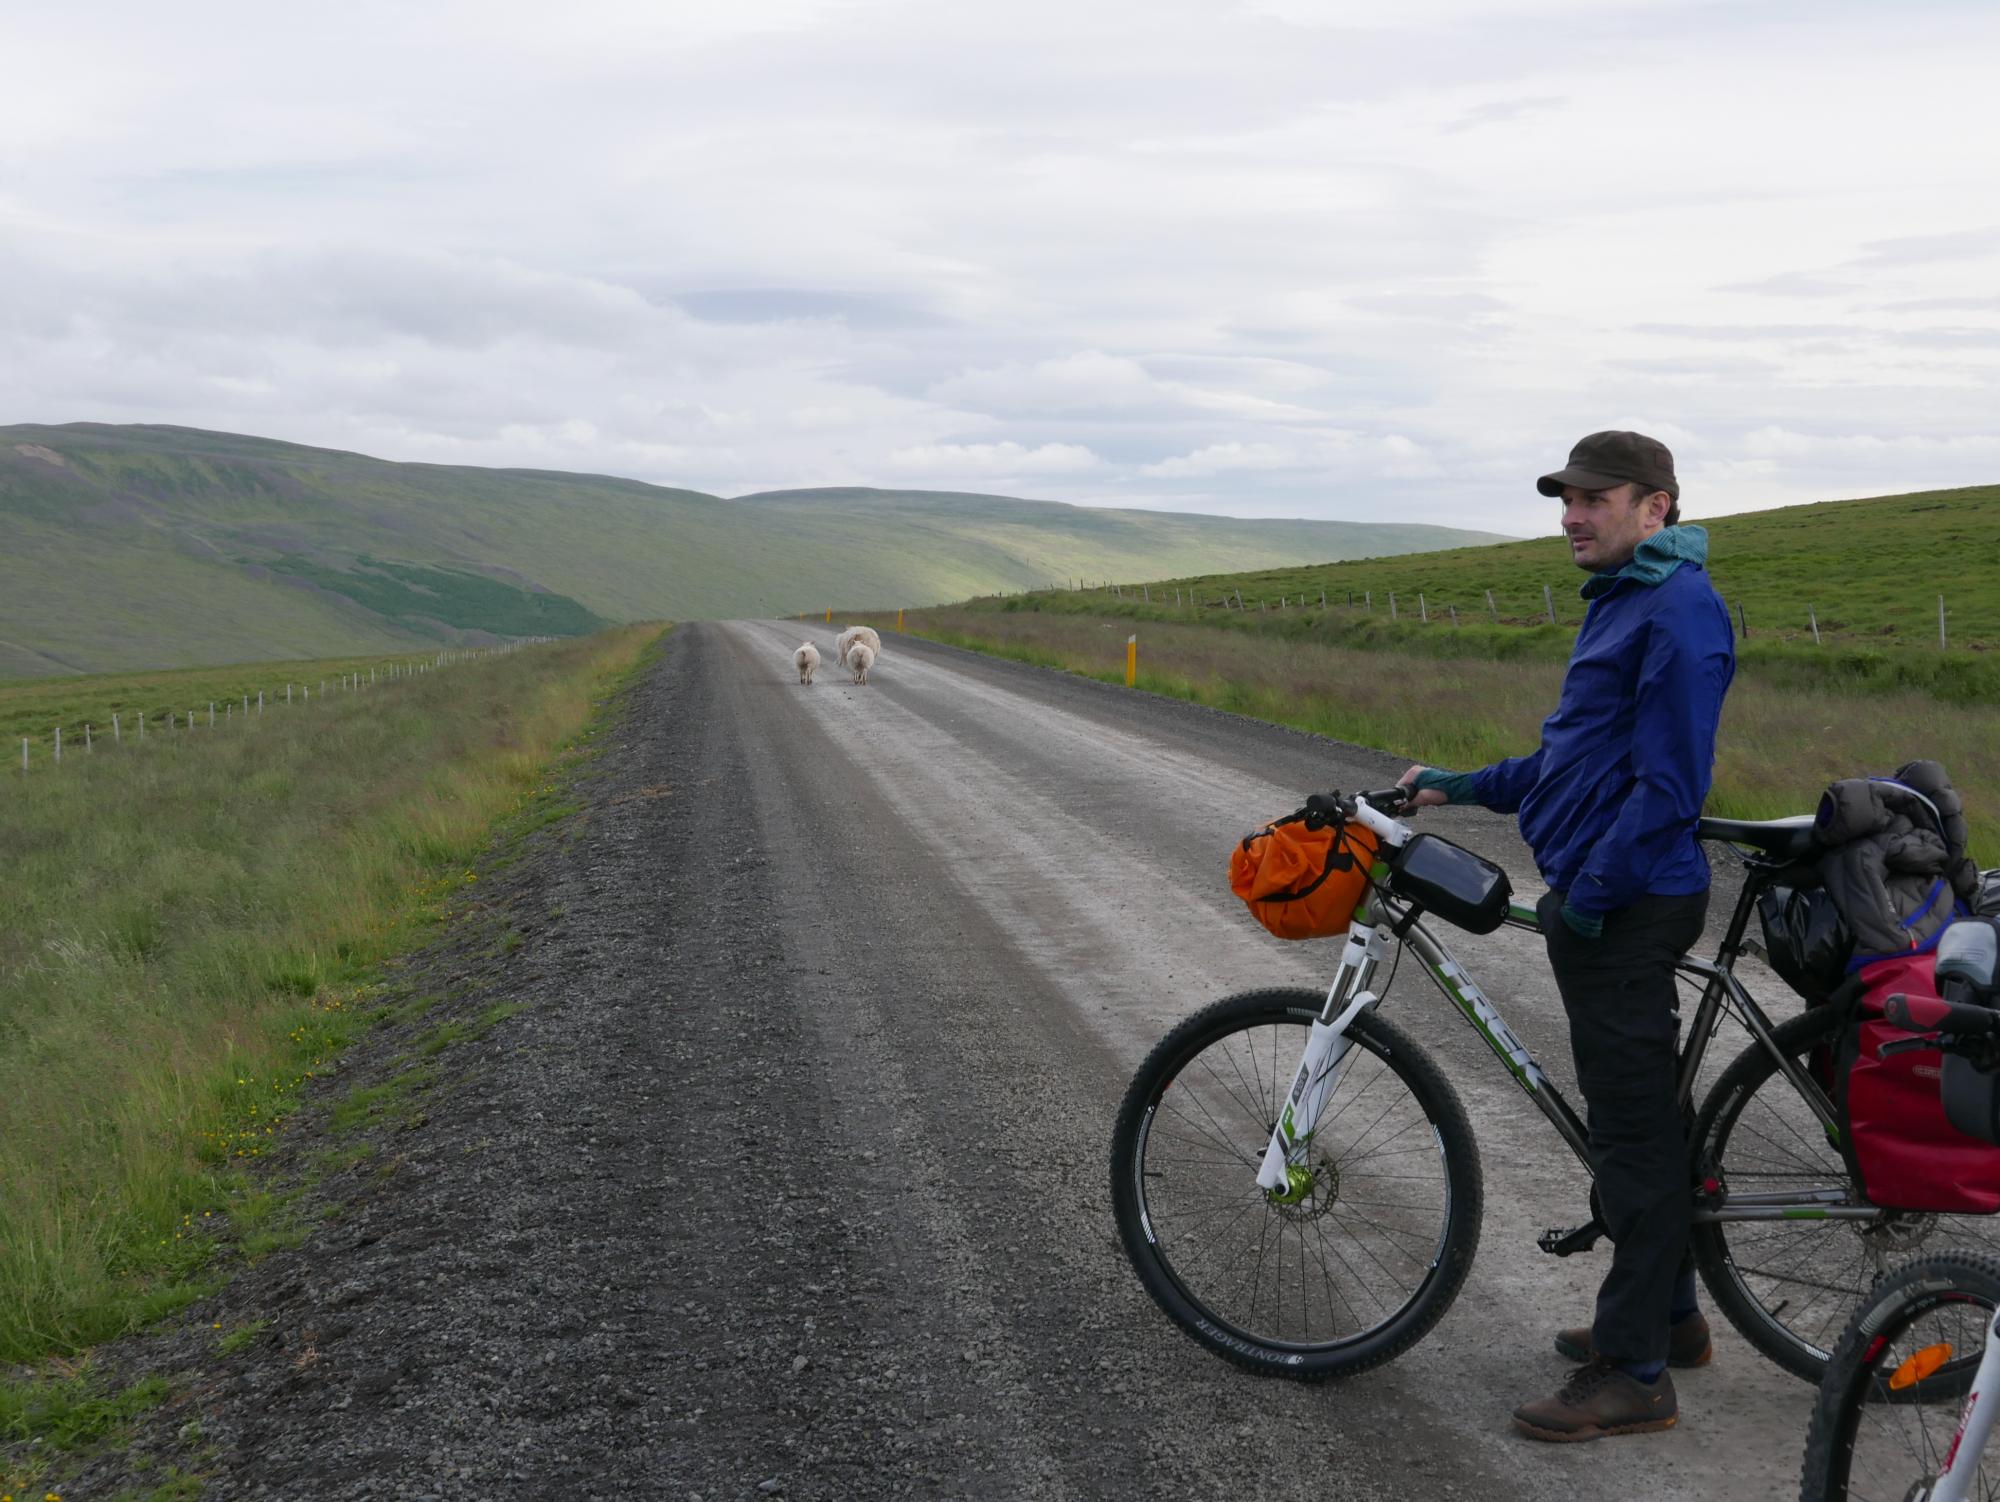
<point x="132" y="728"/>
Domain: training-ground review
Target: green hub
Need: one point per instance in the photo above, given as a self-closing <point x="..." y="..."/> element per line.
<point x="1298" y="1186"/>
<point x="1309" y="1192"/>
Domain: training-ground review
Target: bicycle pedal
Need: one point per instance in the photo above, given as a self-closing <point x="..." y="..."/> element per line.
<point x="1560" y="1243"/>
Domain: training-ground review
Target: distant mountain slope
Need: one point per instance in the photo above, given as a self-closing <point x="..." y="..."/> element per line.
<point x="147" y="546"/>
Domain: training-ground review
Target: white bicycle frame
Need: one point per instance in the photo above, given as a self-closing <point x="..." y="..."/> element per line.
<point x="1379" y="925"/>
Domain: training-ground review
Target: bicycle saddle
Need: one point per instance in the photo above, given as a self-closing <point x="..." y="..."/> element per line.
<point x="1789" y="839"/>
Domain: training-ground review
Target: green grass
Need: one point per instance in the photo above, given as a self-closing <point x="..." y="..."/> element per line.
<point x="411" y="593"/>
<point x="1780" y="744"/>
<point x="70" y="1412"/>
<point x="147" y="547"/>
<point x="1870" y="570"/>
<point x="242" y="1337"/>
<point x="50" y="1417"/>
<point x="32" y="708"/>
<point x="192" y="932"/>
<point x="1882" y="558"/>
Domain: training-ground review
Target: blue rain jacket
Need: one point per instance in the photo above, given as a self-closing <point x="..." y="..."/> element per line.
<point x="1608" y="803"/>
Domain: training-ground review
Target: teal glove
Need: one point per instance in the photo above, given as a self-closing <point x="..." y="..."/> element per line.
<point x="1583" y="925"/>
<point x="1456" y="786"/>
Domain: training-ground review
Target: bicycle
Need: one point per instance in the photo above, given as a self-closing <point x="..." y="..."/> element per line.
<point x="1298" y="1187"/>
<point x="1913" y="1389"/>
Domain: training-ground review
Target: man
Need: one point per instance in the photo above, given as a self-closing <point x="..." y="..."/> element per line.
<point x="1608" y="803"/>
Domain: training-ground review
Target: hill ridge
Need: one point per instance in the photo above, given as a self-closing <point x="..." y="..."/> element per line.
<point x="147" y="545"/>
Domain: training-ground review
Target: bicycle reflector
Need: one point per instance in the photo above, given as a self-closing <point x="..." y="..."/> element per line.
<point x="1302" y="878"/>
<point x="1920" y="1366"/>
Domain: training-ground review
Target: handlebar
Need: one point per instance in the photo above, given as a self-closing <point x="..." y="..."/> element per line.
<point x="1389" y="801"/>
<point x="1948" y="1027"/>
<point x="1376" y="811"/>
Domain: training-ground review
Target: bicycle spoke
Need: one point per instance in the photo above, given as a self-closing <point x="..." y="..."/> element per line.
<point x="1356" y="1242"/>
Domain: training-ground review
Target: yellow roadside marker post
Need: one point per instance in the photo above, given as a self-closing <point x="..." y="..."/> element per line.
<point x="829" y="617"/>
<point x="899" y="618"/>
<point x="1131" y="661"/>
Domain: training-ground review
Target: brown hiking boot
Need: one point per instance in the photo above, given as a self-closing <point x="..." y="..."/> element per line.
<point x="1687" y="1342"/>
<point x="1599" y="1399"/>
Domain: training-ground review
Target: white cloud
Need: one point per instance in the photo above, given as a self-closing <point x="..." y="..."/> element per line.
<point x="1222" y="458"/>
<point x="1295" y="257"/>
<point x="994" y="459"/>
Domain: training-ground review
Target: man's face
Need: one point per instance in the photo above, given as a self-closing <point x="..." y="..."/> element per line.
<point x="1605" y="527"/>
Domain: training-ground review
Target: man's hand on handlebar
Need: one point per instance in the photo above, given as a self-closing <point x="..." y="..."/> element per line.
<point x="1428" y="797"/>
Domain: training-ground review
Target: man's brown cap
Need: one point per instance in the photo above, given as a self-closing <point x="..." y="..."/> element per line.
<point x="1606" y="459"/>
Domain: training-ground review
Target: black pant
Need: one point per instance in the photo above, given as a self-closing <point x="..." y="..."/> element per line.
<point x="1621" y="998"/>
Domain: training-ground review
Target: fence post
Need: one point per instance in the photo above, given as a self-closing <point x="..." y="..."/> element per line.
<point x="24" y="756"/>
<point x="86" y="736"/>
<point x="58" y="745"/>
<point x="288" y="693"/>
<point x="1392" y="604"/>
<point x="260" y="701"/>
<point x="1423" y="610"/>
<point x="116" y="738"/>
<point x="1149" y="592"/>
<point x="1492" y="609"/>
<point x="1368" y="599"/>
<point x="1549" y="601"/>
<point x="211" y="714"/>
<point x="1322" y="599"/>
<point x="1742" y="621"/>
<point x="1131" y="661"/>
<point x="1813" y="617"/>
<point x="142" y="724"/>
<point x="1454" y="613"/>
<point x="1941" y="642"/>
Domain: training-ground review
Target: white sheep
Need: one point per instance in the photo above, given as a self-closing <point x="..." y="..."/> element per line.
<point x="854" y="634"/>
<point x="806" y="660"/>
<point x="861" y="657"/>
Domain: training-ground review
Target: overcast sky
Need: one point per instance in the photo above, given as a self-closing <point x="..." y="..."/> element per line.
<point x="1282" y="258"/>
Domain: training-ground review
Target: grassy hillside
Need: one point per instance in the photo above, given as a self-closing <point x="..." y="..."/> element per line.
<point x="1869" y="570"/>
<point x="153" y="547"/>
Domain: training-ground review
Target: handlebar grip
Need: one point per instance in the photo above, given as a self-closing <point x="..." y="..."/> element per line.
<point x="1930" y="1014"/>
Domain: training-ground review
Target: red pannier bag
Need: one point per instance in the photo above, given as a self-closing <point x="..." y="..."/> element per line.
<point x="1894" y="1134"/>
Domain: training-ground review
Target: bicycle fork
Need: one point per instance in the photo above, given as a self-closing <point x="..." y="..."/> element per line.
<point x="1320" y="1068"/>
<point x="1975" y="1423"/>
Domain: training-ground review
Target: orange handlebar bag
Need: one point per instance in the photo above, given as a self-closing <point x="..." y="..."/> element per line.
<point x="1303" y="879"/>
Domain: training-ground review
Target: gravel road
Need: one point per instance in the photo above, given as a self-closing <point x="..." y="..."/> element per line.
<point x="789" y="1176"/>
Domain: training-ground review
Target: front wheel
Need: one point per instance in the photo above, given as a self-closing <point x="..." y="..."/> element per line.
<point x="1364" y="1251"/>
<point x="1895" y="1391"/>
<point x="1790" y="1283"/>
